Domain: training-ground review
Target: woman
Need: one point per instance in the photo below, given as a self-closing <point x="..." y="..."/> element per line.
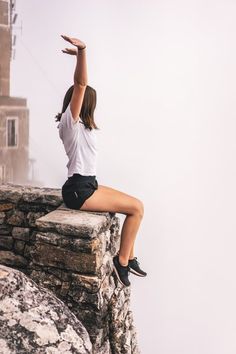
<point x="77" y="131"/>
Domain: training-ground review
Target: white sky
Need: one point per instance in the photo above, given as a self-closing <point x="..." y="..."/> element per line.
<point x="165" y="75"/>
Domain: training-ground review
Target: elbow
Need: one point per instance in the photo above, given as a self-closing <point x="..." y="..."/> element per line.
<point x="80" y="82"/>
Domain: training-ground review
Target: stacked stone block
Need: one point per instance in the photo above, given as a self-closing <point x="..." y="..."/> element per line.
<point x="69" y="252"/>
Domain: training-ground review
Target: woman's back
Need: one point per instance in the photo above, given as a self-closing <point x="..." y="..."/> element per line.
<point x="80" y="144"/>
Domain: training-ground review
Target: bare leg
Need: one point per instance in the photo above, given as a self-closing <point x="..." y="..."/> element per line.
<point x="111" y="200"/>
<point x="131" y="256"/>
<point x="128" y="235"/>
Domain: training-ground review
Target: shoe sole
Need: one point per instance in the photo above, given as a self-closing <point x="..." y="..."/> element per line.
<point x="136" y="273"/>
<point x="118" y="277"/>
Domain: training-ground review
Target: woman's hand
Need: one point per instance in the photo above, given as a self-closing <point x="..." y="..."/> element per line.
<point x="76" y="42"/>
<point x="71" y="51"/>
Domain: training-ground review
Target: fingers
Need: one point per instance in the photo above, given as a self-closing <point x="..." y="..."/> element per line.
<point x="66" y="38"/>
<point x="71" y="51"/>
<point x="66" y="51"/>
<point x="74" y="41"/>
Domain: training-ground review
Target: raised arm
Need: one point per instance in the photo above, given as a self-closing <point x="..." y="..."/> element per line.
<point x="80" y="75"/>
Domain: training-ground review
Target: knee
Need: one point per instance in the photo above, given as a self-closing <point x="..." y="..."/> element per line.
<point x="139" y="208"/>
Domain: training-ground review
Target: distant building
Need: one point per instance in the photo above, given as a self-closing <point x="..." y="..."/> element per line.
<point x="15" y="165"/>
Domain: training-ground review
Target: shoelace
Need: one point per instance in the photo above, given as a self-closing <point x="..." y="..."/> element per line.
<point x="135" y="260"/>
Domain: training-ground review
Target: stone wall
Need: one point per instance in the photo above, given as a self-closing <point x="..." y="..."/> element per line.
<point x="70" y="253"/>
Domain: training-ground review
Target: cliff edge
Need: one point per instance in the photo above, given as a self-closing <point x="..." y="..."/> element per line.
<point x="69" y="253"/>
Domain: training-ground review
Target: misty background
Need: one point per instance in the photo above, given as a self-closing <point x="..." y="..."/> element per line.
<point x="164" y="72"/>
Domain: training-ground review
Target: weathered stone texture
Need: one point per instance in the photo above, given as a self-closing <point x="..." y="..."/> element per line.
<point x="69" y="252"/>
<point x="33" y="320"/>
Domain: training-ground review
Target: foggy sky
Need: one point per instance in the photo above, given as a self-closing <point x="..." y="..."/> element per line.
<point x="164" y="72"/>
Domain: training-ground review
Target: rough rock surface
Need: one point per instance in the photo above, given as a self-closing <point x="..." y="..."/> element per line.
<point x="69" y="252"/>
<point x="33" y="320"/>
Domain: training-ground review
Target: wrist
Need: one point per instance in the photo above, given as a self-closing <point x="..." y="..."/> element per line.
<point x="81" y="48"/>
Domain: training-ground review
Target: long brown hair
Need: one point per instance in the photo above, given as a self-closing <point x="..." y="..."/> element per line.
<point x="87" y="109"/>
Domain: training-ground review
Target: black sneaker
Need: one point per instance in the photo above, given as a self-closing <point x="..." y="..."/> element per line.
<point x="122" y="272"/>
<point x="135" y="269"/>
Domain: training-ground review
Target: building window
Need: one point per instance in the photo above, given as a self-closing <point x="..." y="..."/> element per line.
<point x="12" y="131"/>
<point x="2" y="173"/>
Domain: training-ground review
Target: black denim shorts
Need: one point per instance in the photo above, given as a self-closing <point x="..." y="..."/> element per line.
<point x="77" y="189"/>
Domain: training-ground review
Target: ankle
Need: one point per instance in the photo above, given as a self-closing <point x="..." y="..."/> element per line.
<point x="122" y="261"/>
<point x="129" y="259"/>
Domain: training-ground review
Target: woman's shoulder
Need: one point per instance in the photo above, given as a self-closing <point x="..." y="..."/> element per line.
<point x="67" y="119"/>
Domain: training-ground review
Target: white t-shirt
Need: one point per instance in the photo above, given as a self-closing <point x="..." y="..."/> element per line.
<point x="80" y="145"/>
